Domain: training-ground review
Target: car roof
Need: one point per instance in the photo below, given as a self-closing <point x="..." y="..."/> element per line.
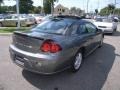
<point x="69" y="17"/>
<point x="74" y="18"/>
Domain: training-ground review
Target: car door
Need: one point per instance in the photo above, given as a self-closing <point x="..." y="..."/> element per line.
<point x="81" y="37"/>
<point x="94" y="35"/>
<point x="85" y="39"/>
<point x="9" y="21"/>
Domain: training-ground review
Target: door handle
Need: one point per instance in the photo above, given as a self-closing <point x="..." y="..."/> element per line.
<point x="91" y="38"/>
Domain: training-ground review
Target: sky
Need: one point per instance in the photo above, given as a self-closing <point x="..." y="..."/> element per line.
<point x="93" y="4"/>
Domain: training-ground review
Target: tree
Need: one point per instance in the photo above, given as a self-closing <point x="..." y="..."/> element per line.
<point x="117" y="11"/>
<point x="111" y="8"/>
<point x="47" y="4"/>
<point x="73" y="10"/>
<point x="78" y="11"/>
<point x="104" y="11"/>
<point x="107" y="10"/>
<point x="1" y="1"/>
<point x="26" y="6"/>
<point x="37" y="10"/>
<point x="96" y="11"/>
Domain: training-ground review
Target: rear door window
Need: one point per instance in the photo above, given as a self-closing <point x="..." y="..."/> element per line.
<point x="74" y="28"/>
<point x="90" y="28"/>
<point x="82" y="29"/>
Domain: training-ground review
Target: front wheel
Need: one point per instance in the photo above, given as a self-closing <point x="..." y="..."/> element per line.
<point x="77" y="62"/>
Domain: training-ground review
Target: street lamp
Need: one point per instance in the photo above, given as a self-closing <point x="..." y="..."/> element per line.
<point x="18" y="14"/>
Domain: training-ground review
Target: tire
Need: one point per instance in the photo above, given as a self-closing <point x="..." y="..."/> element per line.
<point x="28" y="25"/>
<point x="101" y="42"/>
<point x="17" y="24"/>
<point x="1" y="25"/>
<point x="115" y="30"/>
<point x="112" y="32"/>
<point x="77" y="62"/>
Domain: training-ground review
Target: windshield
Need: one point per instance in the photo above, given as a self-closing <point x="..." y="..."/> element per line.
<point x="99" y="19"/>
<point x="56" y="26"/>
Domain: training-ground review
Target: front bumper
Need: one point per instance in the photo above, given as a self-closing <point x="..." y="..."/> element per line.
<point x="39" y="63"/>
<point x="107" y="30"/>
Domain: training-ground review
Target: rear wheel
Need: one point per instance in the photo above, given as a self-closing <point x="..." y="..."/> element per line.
<point x="28" y="25"/>
<point x="77" y="62"/>
<point x="115" y="29"/>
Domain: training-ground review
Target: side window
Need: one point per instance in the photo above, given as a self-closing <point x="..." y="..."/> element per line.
<point x="8" y="17"/>
<point x="90" y="28"/>
<point x="82" y="29"/>
<point x="73" y="29"/>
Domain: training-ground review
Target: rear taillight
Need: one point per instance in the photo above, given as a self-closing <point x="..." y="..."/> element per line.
<point x="50" y="46"/>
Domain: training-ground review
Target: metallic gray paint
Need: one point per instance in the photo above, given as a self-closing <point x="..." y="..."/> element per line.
<point x="28" y="49"/>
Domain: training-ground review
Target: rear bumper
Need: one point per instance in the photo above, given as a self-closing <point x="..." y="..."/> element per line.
<point x="39" y="63"/>
<point x="30" y="23"/>
<point x="107" y="30"/>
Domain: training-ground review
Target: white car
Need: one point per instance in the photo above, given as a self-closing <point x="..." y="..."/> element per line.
<point x="105" y="24"/>
<point x="38" y="18"/>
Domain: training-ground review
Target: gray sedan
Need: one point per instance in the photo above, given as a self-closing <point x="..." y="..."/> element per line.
<point x="55" y="45"/>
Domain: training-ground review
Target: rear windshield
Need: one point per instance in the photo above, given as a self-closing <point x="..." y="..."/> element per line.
<point x="56" y="26"/>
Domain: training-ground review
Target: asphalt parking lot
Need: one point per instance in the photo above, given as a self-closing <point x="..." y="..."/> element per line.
<point x="100" y="71"/>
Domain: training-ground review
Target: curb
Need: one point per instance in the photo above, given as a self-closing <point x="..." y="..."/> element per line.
<point x="5" y="34"/>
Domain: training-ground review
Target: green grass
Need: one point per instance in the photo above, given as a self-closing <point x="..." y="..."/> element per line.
<point x="12" y="29"/>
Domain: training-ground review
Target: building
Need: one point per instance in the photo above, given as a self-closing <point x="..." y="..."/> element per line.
<point x="59" y="9"/>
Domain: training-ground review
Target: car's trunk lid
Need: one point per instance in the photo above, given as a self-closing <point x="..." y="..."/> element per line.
<point x="32" y="41"/>
<point x="27" y="42"/>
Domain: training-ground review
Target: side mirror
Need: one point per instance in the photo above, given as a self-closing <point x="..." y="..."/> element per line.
<point x="99" y="30"/>
<point x="115" y="20"/>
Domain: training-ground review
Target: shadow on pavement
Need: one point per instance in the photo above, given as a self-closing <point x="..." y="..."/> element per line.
<point x="91" y="76"/>
<point x="117" y="33"/>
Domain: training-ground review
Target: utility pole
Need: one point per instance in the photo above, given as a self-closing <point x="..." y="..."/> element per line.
<point x="87" y="5"/>
<point x="52" y="7"/>
<point x="115" y="3"/>
<point x="18" y="14"/>
<point x="83" y="5"/>
<point x="98" y="4"/>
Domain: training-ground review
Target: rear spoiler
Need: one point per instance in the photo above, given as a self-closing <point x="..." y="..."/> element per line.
<point x="26" y="35"/>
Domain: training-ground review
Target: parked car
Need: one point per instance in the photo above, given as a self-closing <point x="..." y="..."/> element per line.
<point x="55" y="45"/>
<point x="29" y="20"/>
<point x="12" y="20"/>
<point x="47" y="17"/>
<point x="38" y="18"/>
<point x="106" y="24"/>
